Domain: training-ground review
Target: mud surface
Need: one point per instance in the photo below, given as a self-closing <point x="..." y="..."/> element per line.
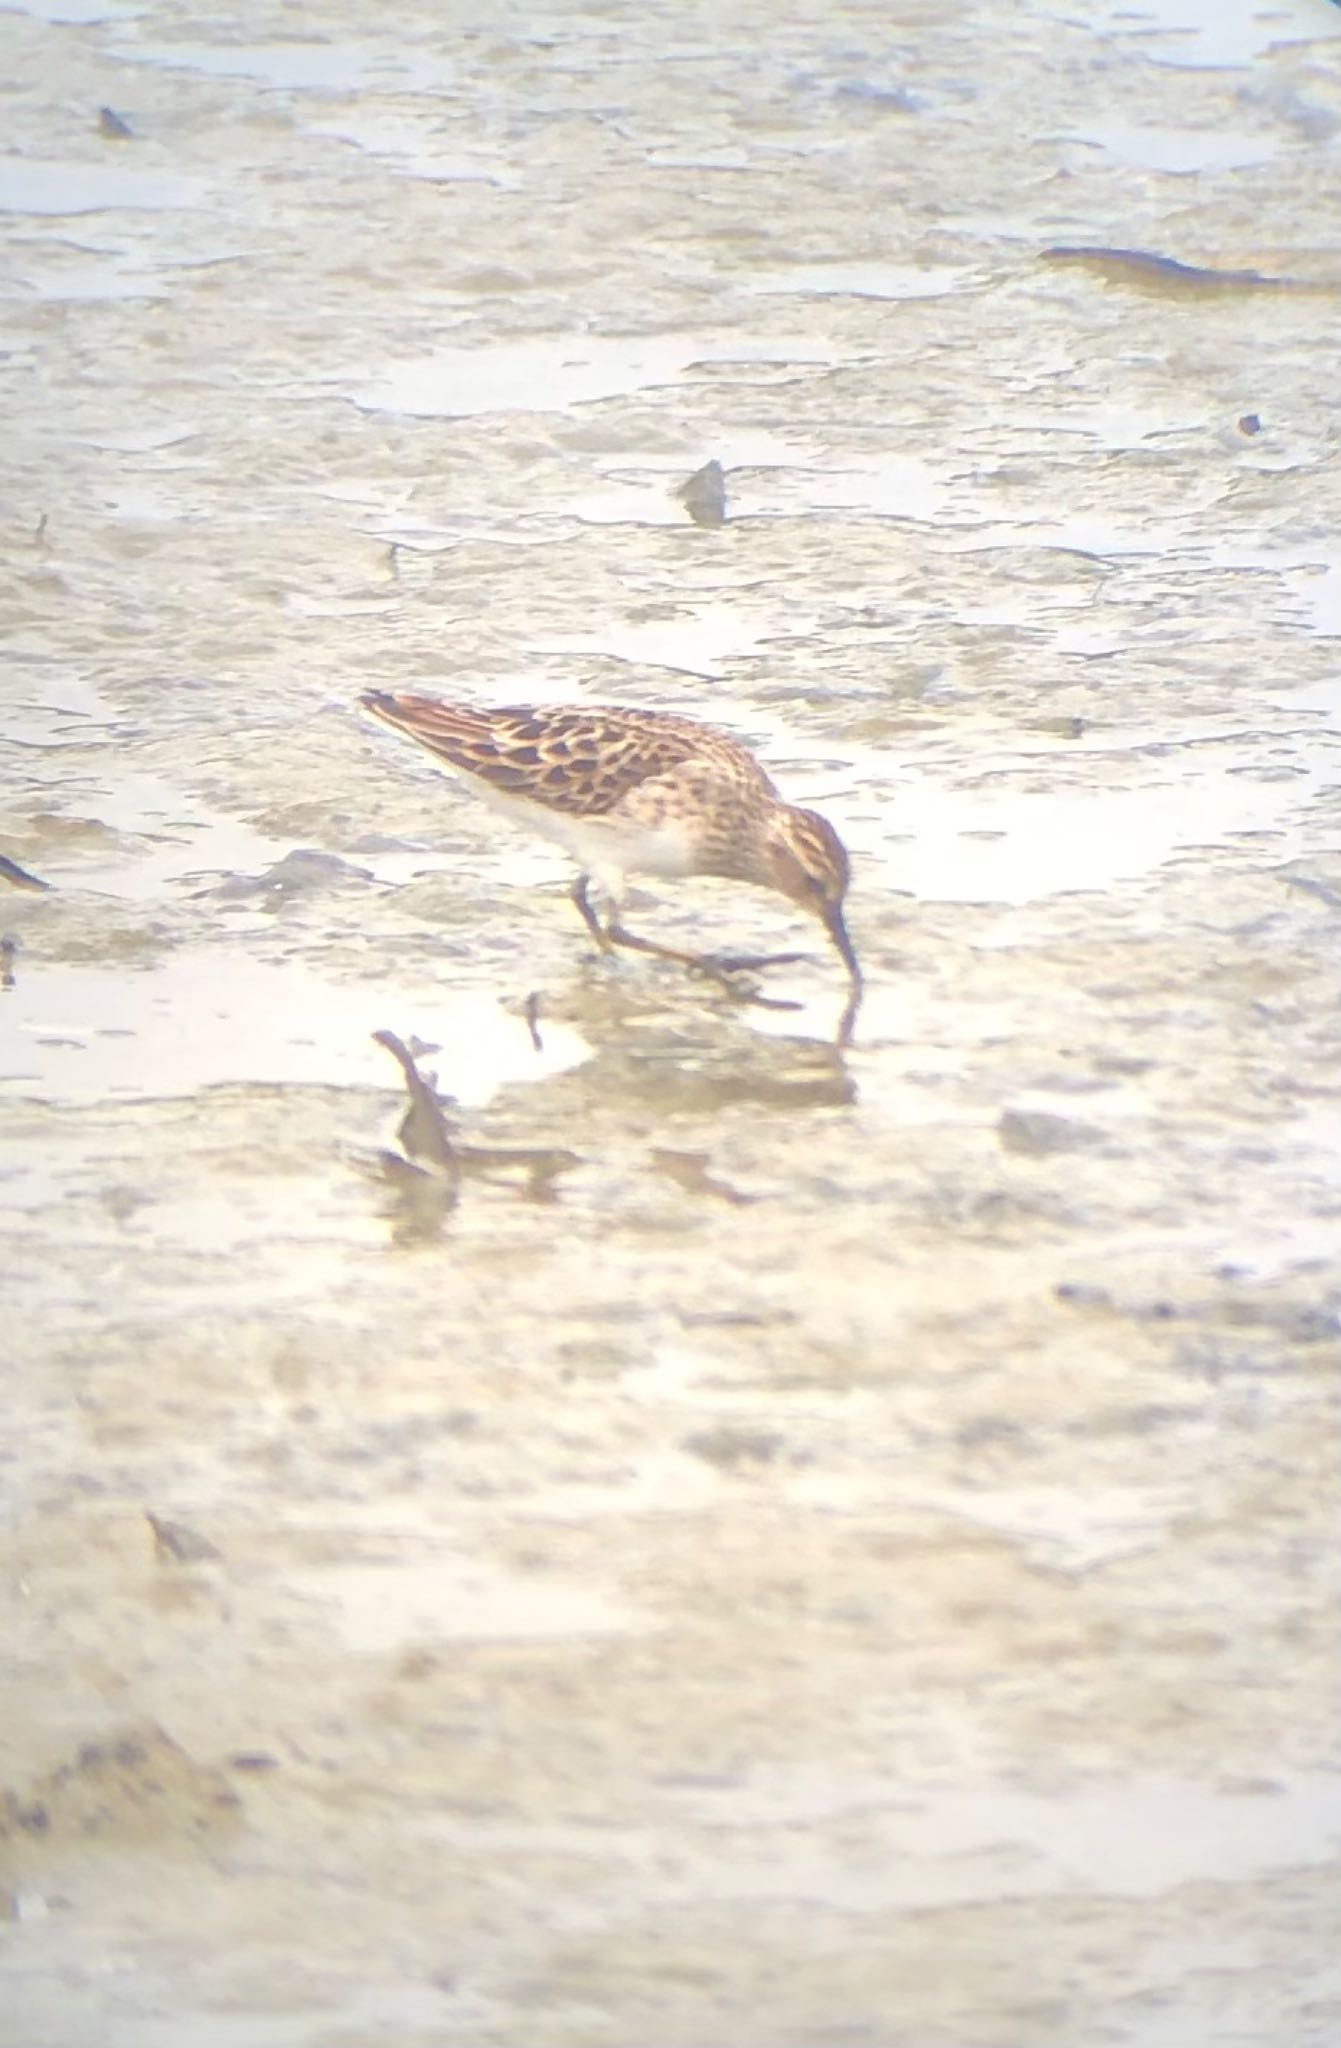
<point x="851" y="1559"/>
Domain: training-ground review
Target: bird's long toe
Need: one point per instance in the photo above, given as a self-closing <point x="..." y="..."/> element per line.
<point x="750" y="963"/>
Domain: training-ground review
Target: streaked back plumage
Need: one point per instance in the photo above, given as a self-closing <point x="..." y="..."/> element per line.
<point x="562" y="756"/>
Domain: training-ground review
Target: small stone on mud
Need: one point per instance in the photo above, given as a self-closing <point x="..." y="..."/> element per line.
<point x="704" y="495"/>
<point x="176" y="1544"/>
<point x="730" y="1446"/>
<point x="1039" y="1131"/>
<point x="1079" y="1294"/>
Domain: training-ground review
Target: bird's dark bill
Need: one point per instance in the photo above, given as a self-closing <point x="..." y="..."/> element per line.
<point x="837" y="931"/>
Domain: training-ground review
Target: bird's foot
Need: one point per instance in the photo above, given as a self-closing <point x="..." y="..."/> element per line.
<point x="727" y="973"/>
<point x="724" y="969"/>
<point x="750" y="963"/>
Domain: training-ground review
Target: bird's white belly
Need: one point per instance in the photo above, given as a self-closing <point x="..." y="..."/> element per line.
<point x="606" y="848"/>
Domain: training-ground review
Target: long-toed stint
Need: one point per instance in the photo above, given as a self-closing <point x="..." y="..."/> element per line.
<point x="628" y="791"/>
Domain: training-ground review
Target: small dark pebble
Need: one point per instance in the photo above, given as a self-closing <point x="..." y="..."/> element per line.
<point x="303" y="871"/>
<point x="111" y="125"/>
<point x="174" y="1542"/>
<point x="1077" y="1294"/>
<point x="1147" y="1420"/>
<point x="1250" y="424"/>
<point x="984" y="1430"/>
<point x="900" y="99"/>
<point x="728" y="1446"/>
<point x="704" y="495"/>
<point x="1069" y="728"/>
<point x="1038" y="1131"/>
<point x="701" y="1781"/>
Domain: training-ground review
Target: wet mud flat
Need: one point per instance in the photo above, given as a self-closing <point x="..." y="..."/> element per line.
<point x="699" y="1535"/>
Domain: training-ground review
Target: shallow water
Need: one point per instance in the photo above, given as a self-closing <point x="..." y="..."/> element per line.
<point x="851" y="1556"/>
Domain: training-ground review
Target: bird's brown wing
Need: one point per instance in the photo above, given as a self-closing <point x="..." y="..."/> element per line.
<point x="567" y="758"/>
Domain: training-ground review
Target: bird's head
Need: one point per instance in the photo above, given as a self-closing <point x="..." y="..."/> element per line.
<point x="810" y="865"/>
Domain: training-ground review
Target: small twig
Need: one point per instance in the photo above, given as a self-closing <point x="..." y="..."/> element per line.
<point x="174" y="1542"/>
<point x="430" y="1190"/>
<point x="423" y="1128"/>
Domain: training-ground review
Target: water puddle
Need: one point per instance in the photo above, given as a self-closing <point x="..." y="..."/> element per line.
<point x="216" y="1015"/>
<point x="662" y="1481"/>
<point x="142" y="438"/>
<point x="866" y="281"/>
<point x="1267" y="1255"/>
<point x="1001" y="845"/>
<point x="67" y="271"/>
<point x="166" y="838"/>
<point x="1098" y="538"/>
<point x="1064" y="1531"/>
<point x="1110" y="424"/>
<point x="145" y="832"/>
<point x="1179" y="152"/>
<point x="896" y="487"/>
<point x="1310" y="585"/>
<point x="696" y="643"/>
<point x="1136" y="1838"/>
<point x="72" y="13"/>
<point x="106" y="280"/>
<point x="691" y="159"/>
<point x="413" y="147"/>
<point x="553" y="372"/>
<point x="29" y="186"/>
<point x="1201" y="35"/>
<point x="317" y="66"/>
<point x="332" y="2013"/>
<point x="743" y="447"/>
<point x="378" y="1608"/>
